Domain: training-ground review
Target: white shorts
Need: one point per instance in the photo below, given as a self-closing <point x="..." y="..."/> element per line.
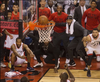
<point x="19" y="60"/>
<point x="9" y="42"/>
<point x="95" y="50"/>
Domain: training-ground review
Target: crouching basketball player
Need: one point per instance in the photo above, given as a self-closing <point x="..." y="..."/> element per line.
<point x="92" y="44"/>
<point x="17" y="54"/>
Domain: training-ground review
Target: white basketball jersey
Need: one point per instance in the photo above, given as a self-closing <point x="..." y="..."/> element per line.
<point x="20" y="49"/>
<point x="95" y="43"/>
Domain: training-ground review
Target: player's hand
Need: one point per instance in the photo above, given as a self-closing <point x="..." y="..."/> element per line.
<point x="84" y="38"/>
<point x="66" y="66"/>
<point x="23" y="57"/>
<point x="86" y="49"/>
<point x="11" y="37"/>
<point x="1" y="34"/>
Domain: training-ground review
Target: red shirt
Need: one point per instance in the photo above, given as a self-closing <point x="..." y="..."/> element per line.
<point x="93" y="19"/>
<point x="58" y="19"/>
<point x="14" y="17"/>
<point x="45" y="11"/>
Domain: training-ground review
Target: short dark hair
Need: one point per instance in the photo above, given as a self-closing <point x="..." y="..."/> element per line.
<point x="96" y="29"/>
<point x="24" y="79"/>
<point x="93" y="1"/>
<point x="18" y="38"/>
<point x="64" y="76"/>
<point x="69" y="17"/>
<point x="15" y="3"/>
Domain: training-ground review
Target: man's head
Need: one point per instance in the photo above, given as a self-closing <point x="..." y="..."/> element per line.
<point x="95" y="33"/>
<point x="9" y="14"/>
<point x="43" y="3"/>
<point x="50" y="3"/>
<point x="2" y="6"/>
<point x="69" y="20"/>
<point x="82" y="2"/>
<point x="15" y="7"/>
<point x="24" y="79"/>
<point x="59" y="9"/>
<point x="18" y="42"/>
<point x="63" y="77"/>
<point x="93" y="4"/>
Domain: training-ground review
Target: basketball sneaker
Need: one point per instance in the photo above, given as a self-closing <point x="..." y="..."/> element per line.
<point x="38" y="65"/>
<point x="67" y="61"/>
<point x="30" y="69"/>
<point x="2" y="64"/>
<point x="88" y="73"/>
<point x="81" y="59"/>
<point x="98" y="59"/>
<point x="71" y="63"/>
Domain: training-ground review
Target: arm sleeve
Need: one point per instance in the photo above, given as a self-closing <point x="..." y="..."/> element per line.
<point x="83" y="19"/>
<point x="60" y="24"/>
<point x="78" y="26"/>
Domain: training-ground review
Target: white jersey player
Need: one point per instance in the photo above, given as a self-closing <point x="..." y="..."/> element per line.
<point x="17" y="54"/>
<point x="92" y="44"/>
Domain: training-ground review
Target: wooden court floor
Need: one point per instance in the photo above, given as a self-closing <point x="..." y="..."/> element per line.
<point x="49" y="67"/>
<point x="80" y="76"/>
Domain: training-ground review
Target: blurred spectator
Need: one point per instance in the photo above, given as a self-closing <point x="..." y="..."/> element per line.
<point x="2" y="11"/>
<point x="68" y="3"/>
<point x="15" y="13"/>
<point x="24" y="79"/>
<point x="43" y="10"/>
<point x="98" y="5"/>
<point x="93" y="17"/>
<point x="80" y="10"/>
<point x="70" y="10"/>
<point x="50" y="6"/>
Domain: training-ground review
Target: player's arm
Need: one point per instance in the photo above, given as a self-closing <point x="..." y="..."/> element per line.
<point x="16" y="53"/>
<point x="85" y="41"/>
<point x="28" y="50"/>
<point x="83" y="19"/>
<point x="7" y="33"/>
<point x="72" y="78"/>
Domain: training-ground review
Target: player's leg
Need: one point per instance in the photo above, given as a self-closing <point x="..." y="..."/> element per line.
<point x="13" y="60"/>
<point x="38" y="54"/>
<point x="90" y="56"/>
<point x="65" y="40"/>
<point x="29" y="68"/>
<point x="79" y="50"/>
<point x="71" y="46"/>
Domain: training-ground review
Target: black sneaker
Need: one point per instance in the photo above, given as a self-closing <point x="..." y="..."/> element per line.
<point x="86" y="69"/>
<point x="88" y="73"/>
<point x="72" y="64"/>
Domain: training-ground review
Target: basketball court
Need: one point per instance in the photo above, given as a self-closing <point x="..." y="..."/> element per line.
<point x="46" y="73"/>
<point x="80" y="76"/>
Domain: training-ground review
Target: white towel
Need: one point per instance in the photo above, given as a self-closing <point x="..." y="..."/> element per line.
<point x="71" y="30"/>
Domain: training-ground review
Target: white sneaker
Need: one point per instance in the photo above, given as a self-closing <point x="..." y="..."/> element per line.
<point x="98" y="58"/>
<point x="35" y="58"/>
<point x="58" y="64"/>
<point x="44" y="56"/>
<point x="2" y="65"/>
<point x="81" y="59"/>
<point x="38" y="65"/>
<point x="25" y="61"/>
<point x="67" y="61"/>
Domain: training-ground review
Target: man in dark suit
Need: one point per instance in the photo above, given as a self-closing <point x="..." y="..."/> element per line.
<point x="79" y="11"/>
<point x="98" y="4"/>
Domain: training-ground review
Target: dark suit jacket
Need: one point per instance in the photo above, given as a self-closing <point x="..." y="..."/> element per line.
<point x="78" y="14"/>
<point x="79" y="31"/>
<point x="98" y="5"/>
